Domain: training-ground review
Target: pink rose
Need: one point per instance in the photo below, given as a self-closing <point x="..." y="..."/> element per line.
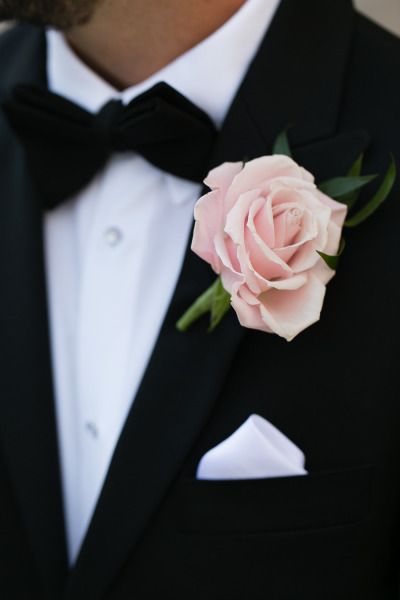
<point x="260" y="228"/>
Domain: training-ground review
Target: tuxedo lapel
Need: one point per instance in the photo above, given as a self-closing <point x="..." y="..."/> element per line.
<point x="296" y="79"/>
<point x="187" y="371"/>
<point x="27" y="423"/>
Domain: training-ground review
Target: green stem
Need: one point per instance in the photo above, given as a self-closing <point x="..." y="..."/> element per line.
<point x="200" y="307"/>
<point x="221" y="303"/>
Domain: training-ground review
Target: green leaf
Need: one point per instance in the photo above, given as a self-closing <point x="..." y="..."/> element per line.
<point x="351" y="199"/>
<point x="355" y="169"/>
<point x="221" y="303"/>
<point x="333" y="261"/>
<point x="200" y="307"/>
<point x="340" y="187"/>
<point x="378" y="199"/>
<point x="282" y="145"/>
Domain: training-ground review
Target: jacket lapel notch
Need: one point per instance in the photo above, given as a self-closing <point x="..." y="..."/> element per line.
<point x="285" y="87"/>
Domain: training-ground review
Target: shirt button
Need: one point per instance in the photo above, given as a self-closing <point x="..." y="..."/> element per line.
<point x="92" y="429"/>
<point x="113" y="236"/>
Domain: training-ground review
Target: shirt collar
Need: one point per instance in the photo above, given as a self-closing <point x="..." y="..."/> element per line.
<point x="196" y="74"/>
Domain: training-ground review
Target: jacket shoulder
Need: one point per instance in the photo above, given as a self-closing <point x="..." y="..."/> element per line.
<point x="380" y="45"/>
<point x="371" y="100"/>
<point x="21" y="50"/>
<point x="372" y="91"/>
<point x="12" y="38"/>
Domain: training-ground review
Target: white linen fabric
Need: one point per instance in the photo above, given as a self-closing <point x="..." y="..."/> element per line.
<point x="254" y="451"/>
<point x="114" y="252"/>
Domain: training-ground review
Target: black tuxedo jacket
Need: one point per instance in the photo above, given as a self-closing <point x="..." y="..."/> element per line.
<point x="158" y="532"/>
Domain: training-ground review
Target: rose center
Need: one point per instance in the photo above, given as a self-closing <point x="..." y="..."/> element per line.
<point x="294" y="216"/>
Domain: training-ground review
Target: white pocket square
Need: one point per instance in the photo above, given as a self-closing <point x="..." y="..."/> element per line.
<point x="254" y="451"/>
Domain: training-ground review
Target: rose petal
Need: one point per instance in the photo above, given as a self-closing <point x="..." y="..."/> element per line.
<point x="232" y="252"/>
<point x="289" y="313"/>
<point x="292" y="184"/>
<point x="305" y="258"/>
<point x="333" y="239"/>
<point x="263" y="259"/>
<point x="259" y="284"/>
<point x="262" y="219"/>
<point x="258" y="173"/>
<point x="287" y="225"/>
<point x="322" y="271"/>
<point x="286" y="254"/>
<point x="236" y="218"/>
<point x="290" y="283"/>
<point x="230" y="280"/>
<point x="221" y="177"/>
<point x="208" y="214"/>
<point x="224" y="255"/>
<point x="338" y="209"/>
<point x="247" y="312"/>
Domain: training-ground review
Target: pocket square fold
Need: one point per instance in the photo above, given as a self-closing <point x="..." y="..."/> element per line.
<point x="256" y="450"/>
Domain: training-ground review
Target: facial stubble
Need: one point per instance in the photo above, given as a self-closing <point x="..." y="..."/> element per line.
<point x="61" y="14"/>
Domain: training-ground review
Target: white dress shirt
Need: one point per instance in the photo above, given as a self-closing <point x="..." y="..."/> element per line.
<point x="114" y="253"/>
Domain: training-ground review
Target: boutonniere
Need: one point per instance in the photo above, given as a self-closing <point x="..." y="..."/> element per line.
<point x="274" y="239"/>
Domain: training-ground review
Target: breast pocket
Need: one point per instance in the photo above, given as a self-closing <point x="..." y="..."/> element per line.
<point x="284" y="504"/>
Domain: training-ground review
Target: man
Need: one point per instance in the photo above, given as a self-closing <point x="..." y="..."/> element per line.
<point x="106" y="408"/>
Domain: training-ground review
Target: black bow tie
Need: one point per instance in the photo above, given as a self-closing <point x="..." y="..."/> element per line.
<point x="66" y="145"/>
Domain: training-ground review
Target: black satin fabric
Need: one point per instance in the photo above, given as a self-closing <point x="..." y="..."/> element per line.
<point x="66" y="145"/>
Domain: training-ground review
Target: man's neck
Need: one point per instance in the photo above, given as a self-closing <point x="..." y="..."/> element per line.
<point x="128" y="40"/>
